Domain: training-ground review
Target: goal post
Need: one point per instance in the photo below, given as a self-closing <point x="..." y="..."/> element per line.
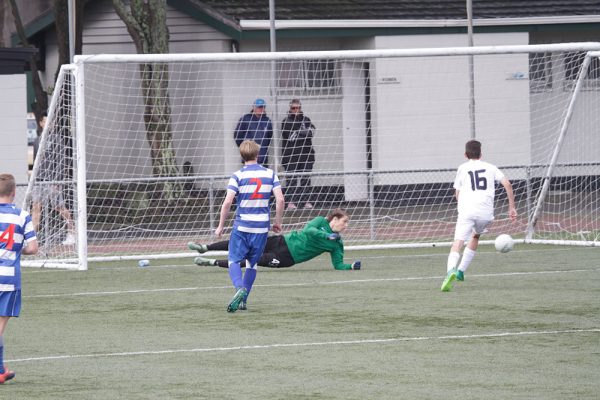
<point x="147" y="144"/>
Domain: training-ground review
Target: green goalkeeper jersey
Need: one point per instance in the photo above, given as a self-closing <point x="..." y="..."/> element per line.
<point x="312" y="241"/>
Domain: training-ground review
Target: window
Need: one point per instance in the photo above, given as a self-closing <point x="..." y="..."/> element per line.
<point x="573" y="63"/>
<point x="540" y="72"/>
<point x="308" y="77"/>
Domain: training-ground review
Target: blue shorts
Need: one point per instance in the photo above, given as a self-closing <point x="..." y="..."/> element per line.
<point x="246" y="246"/>
<point x="10" y="303"/>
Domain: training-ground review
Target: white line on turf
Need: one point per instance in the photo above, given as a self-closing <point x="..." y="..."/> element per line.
<point x="228" y="287"/>
<point x="133" y="265"/>
<point x="309" y="344"/>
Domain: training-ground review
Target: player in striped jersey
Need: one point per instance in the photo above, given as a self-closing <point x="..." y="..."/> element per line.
<point x="16" y="237"/>
<point x="475" y="190"/>
<point x="252" y="185"/>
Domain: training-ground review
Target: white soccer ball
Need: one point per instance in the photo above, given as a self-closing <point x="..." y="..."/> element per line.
<point x="504" y="243"/>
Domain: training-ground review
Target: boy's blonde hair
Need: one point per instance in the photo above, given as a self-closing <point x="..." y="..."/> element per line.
<point x="7" y="185"/>
<point x="249" y="150"/>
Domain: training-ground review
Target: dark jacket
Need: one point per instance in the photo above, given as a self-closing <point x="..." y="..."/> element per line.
<point x="257" y="128"/>
<point x="297" y="132"/>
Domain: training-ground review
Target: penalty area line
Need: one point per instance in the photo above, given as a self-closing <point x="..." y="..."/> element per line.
<point x="308" y="344"/>
<point x="299" y="284"/>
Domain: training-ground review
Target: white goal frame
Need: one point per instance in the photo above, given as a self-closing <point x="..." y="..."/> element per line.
<point x="77" y="71"/>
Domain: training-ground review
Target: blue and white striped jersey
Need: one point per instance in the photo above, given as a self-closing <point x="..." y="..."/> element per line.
<point x="253" y="185"/>
<point x="16" y="229"/>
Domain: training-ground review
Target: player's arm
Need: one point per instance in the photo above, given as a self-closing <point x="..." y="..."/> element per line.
<point x="31" y="247"/>
<point x="279" y="207"/>
<point x="239" y="129"/>
<point x="512" y="211"/>
<point x="312" y="228"/>
<point x="30" y="240"/>
<point x="337" y="259"/>
<point x="225" y="211"/>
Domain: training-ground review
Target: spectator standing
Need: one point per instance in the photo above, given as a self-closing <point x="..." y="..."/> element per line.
<point x="53" y="168"/>
<point x="297" y="132"/>
<point x="256" y="126"/>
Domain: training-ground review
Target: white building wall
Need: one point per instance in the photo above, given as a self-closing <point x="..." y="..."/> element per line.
<point x="195" y="95"/>
<point x="13" y="135"/>
<point x="421" y="109"/>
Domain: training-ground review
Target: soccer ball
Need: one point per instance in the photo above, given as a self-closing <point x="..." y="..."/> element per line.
<point x="504" y="243"/>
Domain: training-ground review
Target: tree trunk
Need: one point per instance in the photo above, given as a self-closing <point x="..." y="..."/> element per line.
<point x="146" y="22"/>
<point x="41" y="96"/>
<point x="2" y="8"/>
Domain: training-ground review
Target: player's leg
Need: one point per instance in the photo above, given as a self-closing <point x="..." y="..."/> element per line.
<point x="291" y="192"/>
<point x="268" y="259"/>
<point x="10" y="306"/>
<point x="36" y="212"/>
<point x="276" y="254"/>
<point x="463" y="230"/>
<point x="57" y="200"/>
<point x="305" y="189"/>
<point x="242" y="246"/>
<point x="239" y="249"/>
<point x="203" y="248"/>
<point x="36" y="208"/>
<point x="258" y="242"/>
<point x="479" y="227"/>
<point x="66" y="215"/>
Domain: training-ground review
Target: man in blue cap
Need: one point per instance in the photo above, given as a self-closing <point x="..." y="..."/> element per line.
<point x="256" y="126"/>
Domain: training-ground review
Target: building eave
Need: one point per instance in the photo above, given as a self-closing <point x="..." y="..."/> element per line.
<point x="250" y="25"/>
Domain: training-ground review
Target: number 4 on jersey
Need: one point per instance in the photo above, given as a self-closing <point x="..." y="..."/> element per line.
<point x="8" y="237"/>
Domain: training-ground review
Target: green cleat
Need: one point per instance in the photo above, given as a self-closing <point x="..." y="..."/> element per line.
<point x="239" y="296"/>
<point x="200" y="248"/>
<point x="447" y="284"/>
<point x="460" y="276"/>
<point x="205" y="261"/>
<point x="243" y="305"/>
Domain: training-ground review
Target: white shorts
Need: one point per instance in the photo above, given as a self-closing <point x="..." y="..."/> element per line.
<point x="468" y="226"/>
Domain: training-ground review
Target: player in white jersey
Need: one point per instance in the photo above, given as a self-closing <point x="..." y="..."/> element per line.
<point x="16" y="237"/>
<point x="252" y="185"/>
<point x="475" y="188"/>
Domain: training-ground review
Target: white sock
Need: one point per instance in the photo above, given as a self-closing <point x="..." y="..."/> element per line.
<point x="453" y="258"/>
<point x="467" y="257"/>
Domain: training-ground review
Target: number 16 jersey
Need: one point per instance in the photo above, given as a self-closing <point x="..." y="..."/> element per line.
<point x="475" y="180"/>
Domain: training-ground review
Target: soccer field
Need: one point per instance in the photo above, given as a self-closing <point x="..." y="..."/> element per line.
<point x="523" y="325"/>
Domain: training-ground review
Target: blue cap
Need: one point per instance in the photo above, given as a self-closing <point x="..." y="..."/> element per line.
<point x="260" y="103"/>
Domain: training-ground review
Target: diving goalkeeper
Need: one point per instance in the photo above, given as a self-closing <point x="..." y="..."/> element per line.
<point x="320" y="235"/>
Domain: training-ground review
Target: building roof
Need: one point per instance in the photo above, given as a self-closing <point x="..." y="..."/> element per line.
<point x="237" y="18"/>
<point x="398" y="9"/>
<point x="14" y="60"/>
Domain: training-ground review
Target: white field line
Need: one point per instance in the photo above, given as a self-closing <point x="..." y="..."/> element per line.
<point x="398" y="256"/>
<point x="309" y="344"/>
<point x="298" y="284"/>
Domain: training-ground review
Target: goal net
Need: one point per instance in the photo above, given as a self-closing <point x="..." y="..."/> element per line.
<point x="142" y="146"/>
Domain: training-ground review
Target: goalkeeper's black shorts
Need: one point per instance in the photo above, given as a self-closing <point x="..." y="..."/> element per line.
<point x="276" y="253"/>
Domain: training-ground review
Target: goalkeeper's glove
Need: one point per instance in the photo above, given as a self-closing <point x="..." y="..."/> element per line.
<point x="333" y="236"/>
<point x="356" y="265"/>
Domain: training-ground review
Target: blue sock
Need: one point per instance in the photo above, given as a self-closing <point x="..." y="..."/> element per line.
<point x="235" y="273"/>
<point x="249" y="278"/>
<point x="1" y="355"/>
